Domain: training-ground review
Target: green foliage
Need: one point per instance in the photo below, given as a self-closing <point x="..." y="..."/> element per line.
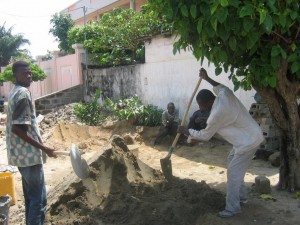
<point x="37" y="73"/>
<point x="61" y="23"/>
<point x="128" y="108"/>
<point x="91" y="112"/>
<point x="117" y="38"/>
<point x="10" y="45"/>
<point x="151" y="116"/>
<point x="296" y="195"/>
<point x="48" y="56"/>
<point x="132" y="108"/>
<point x="250" y="39"/>
<point x="23" y="55"/>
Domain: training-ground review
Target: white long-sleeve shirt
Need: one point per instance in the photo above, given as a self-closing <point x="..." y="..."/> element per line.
<point x="230" y="119"/>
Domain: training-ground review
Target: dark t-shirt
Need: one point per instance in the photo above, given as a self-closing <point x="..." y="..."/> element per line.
<point x="198" y="120"/>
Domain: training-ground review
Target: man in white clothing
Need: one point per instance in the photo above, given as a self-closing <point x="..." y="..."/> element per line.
<point x="229" y="118"/>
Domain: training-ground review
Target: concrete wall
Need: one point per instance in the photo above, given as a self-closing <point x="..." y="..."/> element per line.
<point x="163" y="78"/>
<point x="167" y="77"/>
<point x="49" y="102"/>
<point x="114" y="82"/>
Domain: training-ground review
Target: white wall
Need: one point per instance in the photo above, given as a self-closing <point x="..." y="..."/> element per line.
<point x="163" y="78"/>
<point x="172" y="78"/>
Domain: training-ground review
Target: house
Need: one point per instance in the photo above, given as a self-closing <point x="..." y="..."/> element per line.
<point x="90" y="10"/>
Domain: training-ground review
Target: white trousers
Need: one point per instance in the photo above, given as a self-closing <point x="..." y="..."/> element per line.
<point x="237" y="165"/>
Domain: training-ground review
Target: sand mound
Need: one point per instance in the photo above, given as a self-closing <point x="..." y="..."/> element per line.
<point x="123" y="190"/>
<point x="91" y="137"/>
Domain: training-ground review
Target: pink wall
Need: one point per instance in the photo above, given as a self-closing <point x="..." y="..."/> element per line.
<point x="5" y="89"/>
<point x="62" y="73"/>
<point x="67" y="70"/>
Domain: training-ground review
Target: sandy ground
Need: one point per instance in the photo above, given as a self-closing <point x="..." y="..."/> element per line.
<point x="199" y="163"/>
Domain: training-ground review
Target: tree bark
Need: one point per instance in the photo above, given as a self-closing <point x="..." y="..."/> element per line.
<point x="282" y="102"/>
<point x="132" y="5"/>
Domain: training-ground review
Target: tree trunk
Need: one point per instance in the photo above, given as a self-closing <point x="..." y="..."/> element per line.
<point x="132" y="5"/>
<point x="282" y="102"/>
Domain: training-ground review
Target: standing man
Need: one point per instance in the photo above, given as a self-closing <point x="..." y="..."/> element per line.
<point x="170" y="121"/>
<point x="229" y="118"/>
<point x="24" y="144"/>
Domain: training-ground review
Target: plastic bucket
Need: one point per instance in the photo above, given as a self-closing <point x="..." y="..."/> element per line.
<point x="4" y="208"/>
<point x="7" y="184"/>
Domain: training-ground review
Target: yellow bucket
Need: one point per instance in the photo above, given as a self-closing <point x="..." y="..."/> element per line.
<point x="7" y="186"/>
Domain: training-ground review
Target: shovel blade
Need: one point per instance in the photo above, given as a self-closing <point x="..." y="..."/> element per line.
<point x="166" y="167"/>
<point x="80" y="166"/>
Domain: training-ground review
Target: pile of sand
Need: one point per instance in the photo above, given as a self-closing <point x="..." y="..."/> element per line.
<point x="123" y="190"/>
<point x="90" y="137"/>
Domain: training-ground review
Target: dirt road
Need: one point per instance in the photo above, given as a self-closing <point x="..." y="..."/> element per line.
<point x="188" y="201"/>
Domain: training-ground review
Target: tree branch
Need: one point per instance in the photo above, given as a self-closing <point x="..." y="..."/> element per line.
<point x="281" y="75"/>
<point x="292" y="24"/>
<point x="283" y="38"/>
<point x="298" y="31"/>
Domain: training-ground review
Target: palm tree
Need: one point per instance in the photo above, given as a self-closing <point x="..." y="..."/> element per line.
<point x="10" y="45"/>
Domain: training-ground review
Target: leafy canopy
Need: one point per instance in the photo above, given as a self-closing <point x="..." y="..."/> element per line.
<point x="37" y="73"/>
<point x="118" y="36"/>
<point x="10" y="45"/>
<point x="249" y="39"/>
<point x="61" y="23"/>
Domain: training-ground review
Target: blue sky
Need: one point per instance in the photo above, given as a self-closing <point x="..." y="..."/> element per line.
<point x="32" y="19"/>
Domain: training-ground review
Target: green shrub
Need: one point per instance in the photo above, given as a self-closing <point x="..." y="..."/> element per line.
<point x="151" y="116"/>
<point x="91" y="112"/>
<point x="36" y="73"/>
<point x="117" y="37"/>
<point x="132" y="109"/>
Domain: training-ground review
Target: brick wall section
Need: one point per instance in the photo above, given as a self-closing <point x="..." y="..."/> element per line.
<point x="48" y="103"/>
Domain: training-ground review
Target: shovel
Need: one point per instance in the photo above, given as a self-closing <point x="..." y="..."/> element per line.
<point x="80" y="166"/>
<point x="166" y="164"/>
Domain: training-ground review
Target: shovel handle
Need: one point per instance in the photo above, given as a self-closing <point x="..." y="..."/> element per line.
<point x="190" y="102"/>
<point x="62" y="153"/>
<point x="174" y="142"/>
<point x="185" y="114"/>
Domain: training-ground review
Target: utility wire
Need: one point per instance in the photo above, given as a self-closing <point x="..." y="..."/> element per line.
<point x="28" y="16"/>
<point x="23" y="16"/>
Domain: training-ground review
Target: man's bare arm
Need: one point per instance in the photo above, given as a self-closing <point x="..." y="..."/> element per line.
<point x="204" y="76"/>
